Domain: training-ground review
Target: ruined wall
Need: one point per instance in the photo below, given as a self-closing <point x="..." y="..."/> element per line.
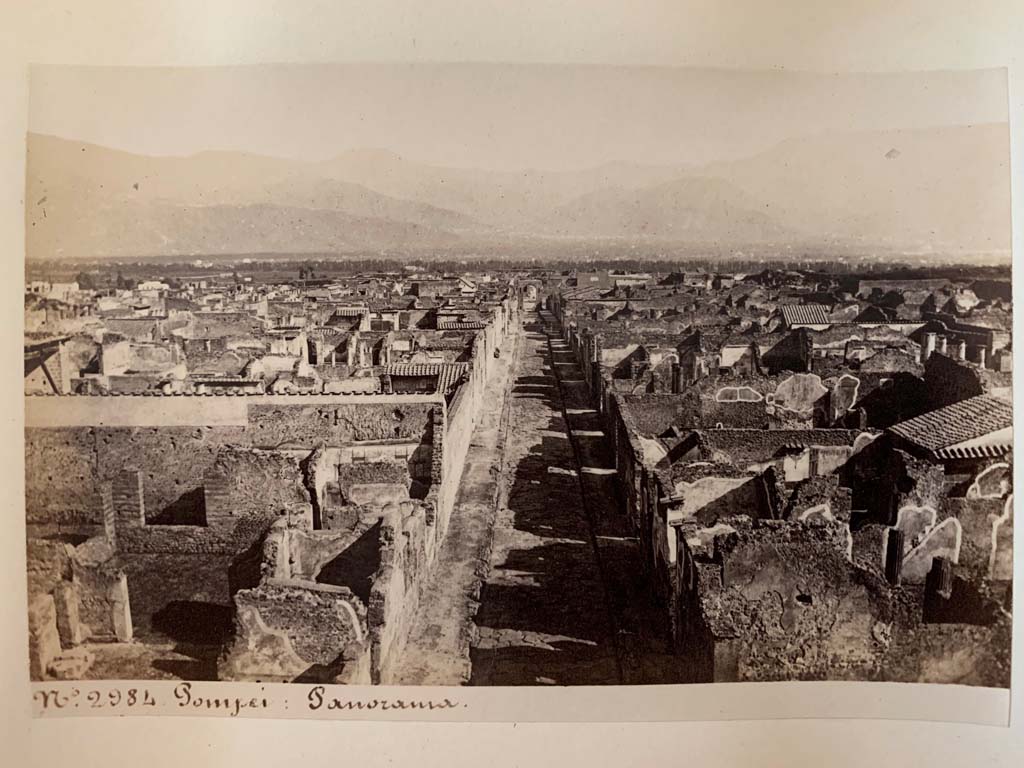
<point x="136" y="328"/>
<point x="59" y="482"/>
<point x="753" y="447"/>
<point x="407" y="546"/>
<point x="66" y="464"/>
<point x="948" y="381"/>
<point x="76" y="594"/>
<point x="874" y="399"/>
<point x="214" y="325"/>
<point x="186" y="506"/>
<point x="884" y="479"/>
<point x="986" y="549"/>
<point x="786" y="603"/>
<point x="731" y="414"/>
<point x="336" y="424"/>
<point x="262" y="483"/>
<point x="184" y="575"/>
<point x="822" y="496"/>
<point x="354" y="479"/>
<point x="951" y="653"/>
<point x="213" y="356"/>
<point x="172" y="460"/>
<point x="781" y="600"/>
<point x="101" y="588"/>
<point x="297" y="631"/>
<point x="653" y="414"/>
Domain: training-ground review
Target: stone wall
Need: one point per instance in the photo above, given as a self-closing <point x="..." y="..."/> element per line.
<point x="103" y="598"/>
<point x="208" y="514"/>
<point x="76" y="594"/>
<point x="175" y="455"/>
<point x="395" y="592"/>
<point x="186" y="574"/>
<point x="59" y="482"/>
<point x="948" y="381"/>
<point x="781" y="601"/>
<point x="986" y="550"/>
<point x="275" y="425"/>
<point x="297" y="631"/>
<point x="963" y="654"/>
<point x="884" y="479"/>
<point x="821" y="496"/>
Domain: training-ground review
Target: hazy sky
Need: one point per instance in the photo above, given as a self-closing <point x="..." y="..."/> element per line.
<point x="492" y="116"/>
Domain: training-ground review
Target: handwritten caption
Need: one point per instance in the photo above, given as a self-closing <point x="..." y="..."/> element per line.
<point x="196" y="698"/>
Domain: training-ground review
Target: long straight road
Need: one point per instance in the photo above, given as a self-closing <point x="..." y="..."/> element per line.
<point x="437" y="650"/>
<point x="564" y="602"/>
<point x="539" y="580"/>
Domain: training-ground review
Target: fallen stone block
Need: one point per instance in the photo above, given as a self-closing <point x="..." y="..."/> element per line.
<point x="65" y="598"/>
<point x="71" y="665"/>
<point x="43" y="638"/>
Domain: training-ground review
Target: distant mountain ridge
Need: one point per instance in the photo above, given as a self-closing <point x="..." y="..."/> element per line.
<point x="945" y="187"/>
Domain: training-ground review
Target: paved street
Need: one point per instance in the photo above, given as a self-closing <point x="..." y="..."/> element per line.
<point x="437" y="651"/>
<point x="539" y="579"/>
<point x="561" y="604"/>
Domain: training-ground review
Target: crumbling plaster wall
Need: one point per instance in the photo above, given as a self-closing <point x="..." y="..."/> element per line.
<point x="244" y="494"/>
<point x="297" y="631"/>
<point x="885" y="479"/>
<point x="783" y="601"/>
<point x="987" y="526"/>
<point x="59" y="482"/>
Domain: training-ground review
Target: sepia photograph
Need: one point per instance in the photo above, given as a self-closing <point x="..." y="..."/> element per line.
<point x="480" y="374"/>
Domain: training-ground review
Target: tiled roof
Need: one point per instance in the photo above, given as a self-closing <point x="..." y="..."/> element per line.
<point x="459" y="325"/>
<point x="973" y="452"/>
<point x="805" y="314"/>
<point x="966" y="420"/>
<point x="448" y="374"/>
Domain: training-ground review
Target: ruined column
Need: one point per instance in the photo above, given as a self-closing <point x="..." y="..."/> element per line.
<point x="66" y="599"/>
<point x="982" y="354"/>
<point x="961" y="350"/>
<point x="942" y="344"/>
<point x="894" y="556"/>
<point x="929" y="346"/>
<point x="43" y="637"/>
<point x="940" y="578"/>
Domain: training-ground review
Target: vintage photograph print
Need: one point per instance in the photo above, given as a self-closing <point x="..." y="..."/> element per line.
<point x="517" y="375"/>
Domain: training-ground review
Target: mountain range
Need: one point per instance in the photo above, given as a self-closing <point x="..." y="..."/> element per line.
<point x="944" y="188"/>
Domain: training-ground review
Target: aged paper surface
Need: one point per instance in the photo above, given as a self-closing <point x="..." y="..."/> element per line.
<point x="905" y="700"/>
